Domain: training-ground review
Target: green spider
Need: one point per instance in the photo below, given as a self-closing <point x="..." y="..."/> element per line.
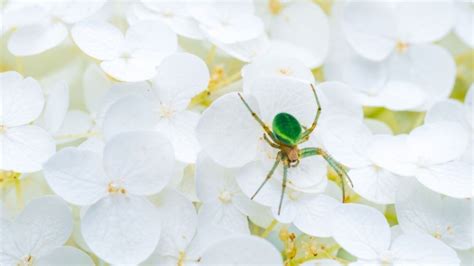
<point x="287" y="134"/>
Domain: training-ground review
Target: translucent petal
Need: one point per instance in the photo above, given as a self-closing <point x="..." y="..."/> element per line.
<point x="180" y="77"/>
<point x="243" y="250"/>
<point x="25" y="148"/>
<point x="423" y="211"/>
<point x="375" y="184"/>
<point x="44" y="224"/>
<point x="100" y="40"/>
<point x="375" y="41"/>
<point x="37" y="38"/>
<point x="56" y="107"/>
<point x="122" y="229"/>
<point x="361" y="230"/>
<point x="66" y="254"/>
<point x="228" y="133"/>
<point x="141" y="161"/>
<point x="22" y="99"/>
<point x="95" y="84"/>
<point x="422" y="249"/>
<point x="77" y="176"/>
<point x="313" y="215"/>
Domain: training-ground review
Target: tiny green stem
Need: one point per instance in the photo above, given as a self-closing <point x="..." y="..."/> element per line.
<point x="269" y="229"/>
<point x="77" y="136"/>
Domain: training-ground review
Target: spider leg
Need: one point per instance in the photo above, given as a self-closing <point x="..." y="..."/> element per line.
<point x="265" y="137"/>
<point x="264" y="126"/>
<point x="269" y="175"/>
<point x="283" y="186"/>
<point x="307" y="132"/>
<point x="337" y="167"/>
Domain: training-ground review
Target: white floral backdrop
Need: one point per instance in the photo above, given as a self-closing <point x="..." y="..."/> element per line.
<point x="124" y="141"/>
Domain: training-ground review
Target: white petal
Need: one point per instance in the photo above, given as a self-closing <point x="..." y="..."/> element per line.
<point x="338" y="98"/>
<point x="417" y="66"/>
<point x="56" y="107"/>
<point x="346" y="140"/>
<point x="128" y="114"/>
<point x="309" y="176"/>
<point x="122" y="229"/>
<point x="213" y="179"/>
<point x="100" y="40"/>
<point x="44" y="224"/>
<point x="228" y="133"/>
<point x="131" y="69"/>
<point x="152" y="40"/>
<point x="393" y="154"/>
<point x="449" y="110"/>
<point x="77" y="176"/>
<point x="438" y="142"/>
<point x="321" y="262"/>
<point x="35" y="39"/>
<point x="375" y="184"/>
<point x="276" y="95"/>
<point x="73" y="11"/>
<point x="305" y="25"/>
<point x="361" y="230"/>
<point x="25" y="148"/>
<point x="249" y="179"/>
<point x="243" y="250"/>
<point x="453" y="178"/>
<point x="423" y="22"/>
<point x="374" y="41"/>
<point x="75" y="123"/>
<point x="95" y="84"/>
<point x="178" y="222"/>
<point x="22" y="99"/>
<point x="142" y="162"/>
<point x="313" y="215"/>
<point x="180" y="129"/>
<point x="62" y="255"/>
<point x="276" y="67"/>
<point x="10" y="252"/>
<point x="399" y="95"/>
<point x="180" y="77"/>
<point x="420" y="249"/>
<point x="246" y="51"/>
<point x="224" y="215"/>
<point x="423" y="211"/>
<point x="464" y="23"/>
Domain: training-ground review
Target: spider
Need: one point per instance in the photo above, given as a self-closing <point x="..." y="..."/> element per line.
<point x="285" y="136"/>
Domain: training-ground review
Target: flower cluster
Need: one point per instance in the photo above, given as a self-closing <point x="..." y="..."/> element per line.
<point x="250" y="132"/>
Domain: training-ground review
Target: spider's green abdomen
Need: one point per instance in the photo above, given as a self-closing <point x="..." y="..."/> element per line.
<point x="286" y="128"/>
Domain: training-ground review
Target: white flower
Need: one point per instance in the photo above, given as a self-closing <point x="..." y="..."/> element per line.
<point x="299" y="29"/>
<point x="133" y="57"/>
<point x="226" y="21"/>
<point x="185" y="236"/>
<point x="464" y="21"/>
<point x="164" y="109"/>
<point x="43" y="25"/>
<point x="447" y="219"/>
<point x="171" y="12"/>
<point x="37" y="236"/>
<point x="364" y="232"/>
<point x="241" y="251"/>
<point x="432" y="153"/>
<point x="270" y="66"/>
<point x="402" y="72"/>
<point x="121" y="225"/>
<point x="348" y="140"/>
<point x="24" y="147"/>
<point x="223" y="203"/>
<point x="322" y="262"/>
<point x="55" y="108"/>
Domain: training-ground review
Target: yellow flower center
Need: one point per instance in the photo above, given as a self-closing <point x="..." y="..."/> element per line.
<point x="115" y="188"/>
<point x="275" y="6"/>
<point x="225" y="196"/>
<point x="401" y="47"/>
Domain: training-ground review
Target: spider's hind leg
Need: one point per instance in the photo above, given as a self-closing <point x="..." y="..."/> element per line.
<point x="336" y="166"/>
<point x="307" y="132"/>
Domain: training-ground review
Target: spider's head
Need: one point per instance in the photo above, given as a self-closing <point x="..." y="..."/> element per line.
<point x="287" y="129"/>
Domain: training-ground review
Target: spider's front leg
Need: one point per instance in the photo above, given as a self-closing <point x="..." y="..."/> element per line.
<point x="283" y="185"/>
<point x="336" y="166"/>
<point x="259" y="120"/>
<point x="265" y="137"/>
<point x="269" y="175"/>
<point x="307" y="132"/>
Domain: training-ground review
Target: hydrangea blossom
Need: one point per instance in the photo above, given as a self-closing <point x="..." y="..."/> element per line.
<point x="113" y="185"/>
<point x="133" y="57"/>
<point x="364" y="232"/>
<point x="25" y="147"/>
<point x="37" y="235"/>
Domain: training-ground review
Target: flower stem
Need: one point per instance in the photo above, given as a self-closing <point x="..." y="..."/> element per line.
<point x="269" y="229"/>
